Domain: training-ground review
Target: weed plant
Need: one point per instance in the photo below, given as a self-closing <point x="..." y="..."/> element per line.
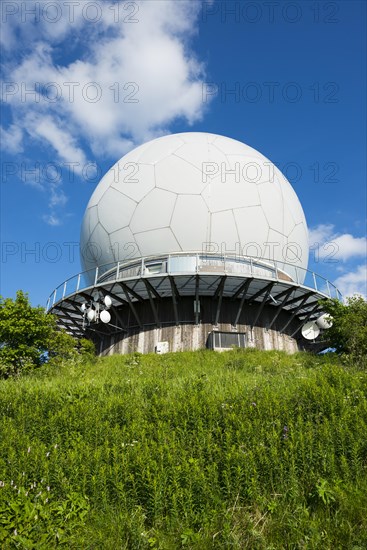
<point x="199" y="450"/>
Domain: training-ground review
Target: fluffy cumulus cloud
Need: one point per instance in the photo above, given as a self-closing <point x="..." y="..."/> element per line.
<point x="131" y="75"/>
<point x="11" y="139"/>
<point x="353" y="282"/>
<point x="326" y="242"/>
<point x="86" y="81"/>
<point x="346" y="253"/>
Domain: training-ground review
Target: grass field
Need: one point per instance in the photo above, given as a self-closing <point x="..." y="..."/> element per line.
<point x="244" y="449"/>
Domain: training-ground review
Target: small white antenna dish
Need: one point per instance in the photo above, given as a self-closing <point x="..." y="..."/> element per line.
<point x="107" y="301"/>
<point x="105" y="316"/>
<point x="325" y="321"/>
<point x="310" y="330"/>
<point x="91" y="315"/>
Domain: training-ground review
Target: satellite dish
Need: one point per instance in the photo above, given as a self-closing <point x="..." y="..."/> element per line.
<point x="91" y="314"/>
<point x="107" y="301"/>
<point x="105" y="316"/>
<point x="83" y="307"/>
<point x="310" y="330"/>
<point x="325" y="321"/>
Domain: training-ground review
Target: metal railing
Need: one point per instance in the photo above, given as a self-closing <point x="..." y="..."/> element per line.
<point x="192" y="263"/>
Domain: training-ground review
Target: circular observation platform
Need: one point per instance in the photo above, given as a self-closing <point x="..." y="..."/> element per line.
<point x="187" y="301"/>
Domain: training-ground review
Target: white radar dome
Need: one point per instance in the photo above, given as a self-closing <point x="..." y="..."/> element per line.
<point x="193" y="192"/>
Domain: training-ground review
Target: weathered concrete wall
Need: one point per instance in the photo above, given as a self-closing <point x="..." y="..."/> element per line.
<point x="190" y="336"/>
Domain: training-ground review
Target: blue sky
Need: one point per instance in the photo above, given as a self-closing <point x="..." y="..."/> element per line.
<point x="287" y="78"/>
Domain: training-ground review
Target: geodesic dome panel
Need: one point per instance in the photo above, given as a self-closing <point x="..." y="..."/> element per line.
<point x="194" y="192"/>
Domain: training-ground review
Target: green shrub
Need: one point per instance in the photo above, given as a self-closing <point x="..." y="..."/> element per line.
<point x="348" y="334"/>
<point x="30" y="338"/>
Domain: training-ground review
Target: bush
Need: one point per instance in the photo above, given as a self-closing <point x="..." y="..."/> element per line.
<point x="29" y="338"/>
<point x="348" y="335"/>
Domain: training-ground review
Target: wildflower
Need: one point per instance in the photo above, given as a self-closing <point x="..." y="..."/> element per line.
<point x="55" y="446"/>
<point x="39" y="494"/>
<point x="15" y="532"/>
<point x="48" y="488"/>
<point x="29" y="450"/>
<point x="48" y="454"/>
<point x="12" y="482"/>
<point x="253" y="404"/>
<point x="46" y="500"/>
<point x="2" y="484"/>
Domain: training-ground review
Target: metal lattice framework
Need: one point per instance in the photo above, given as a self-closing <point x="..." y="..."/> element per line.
<point x="175" y="276"/>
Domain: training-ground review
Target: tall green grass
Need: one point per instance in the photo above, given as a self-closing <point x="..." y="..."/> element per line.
<point x="244" y="449"/>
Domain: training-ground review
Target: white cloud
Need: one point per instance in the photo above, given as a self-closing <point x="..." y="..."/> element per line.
<point x="40" y="19"/>
<point x="320" y="233"/>
<point x="353" y="282"/>
<point x="49" y="129"/>
<point x="129" y="82"/>
<point x="128" y="76"/>
<point x="11" y="139"/>
<point x="330" y="244"/>
<point x="350" y="247"/>
<point x="51" y="219"/>
<point x="57" y="197"/>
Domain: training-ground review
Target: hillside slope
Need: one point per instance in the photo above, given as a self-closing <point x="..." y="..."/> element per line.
<point x="243" y="449"/>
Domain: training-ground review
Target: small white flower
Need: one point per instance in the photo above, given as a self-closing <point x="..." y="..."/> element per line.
<point x="48" y="454"/>
<point x="15" y="532"/>
<point x="2" y="484"/>
<point x="48" y="488"/>
<point x="29" y="450"/>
